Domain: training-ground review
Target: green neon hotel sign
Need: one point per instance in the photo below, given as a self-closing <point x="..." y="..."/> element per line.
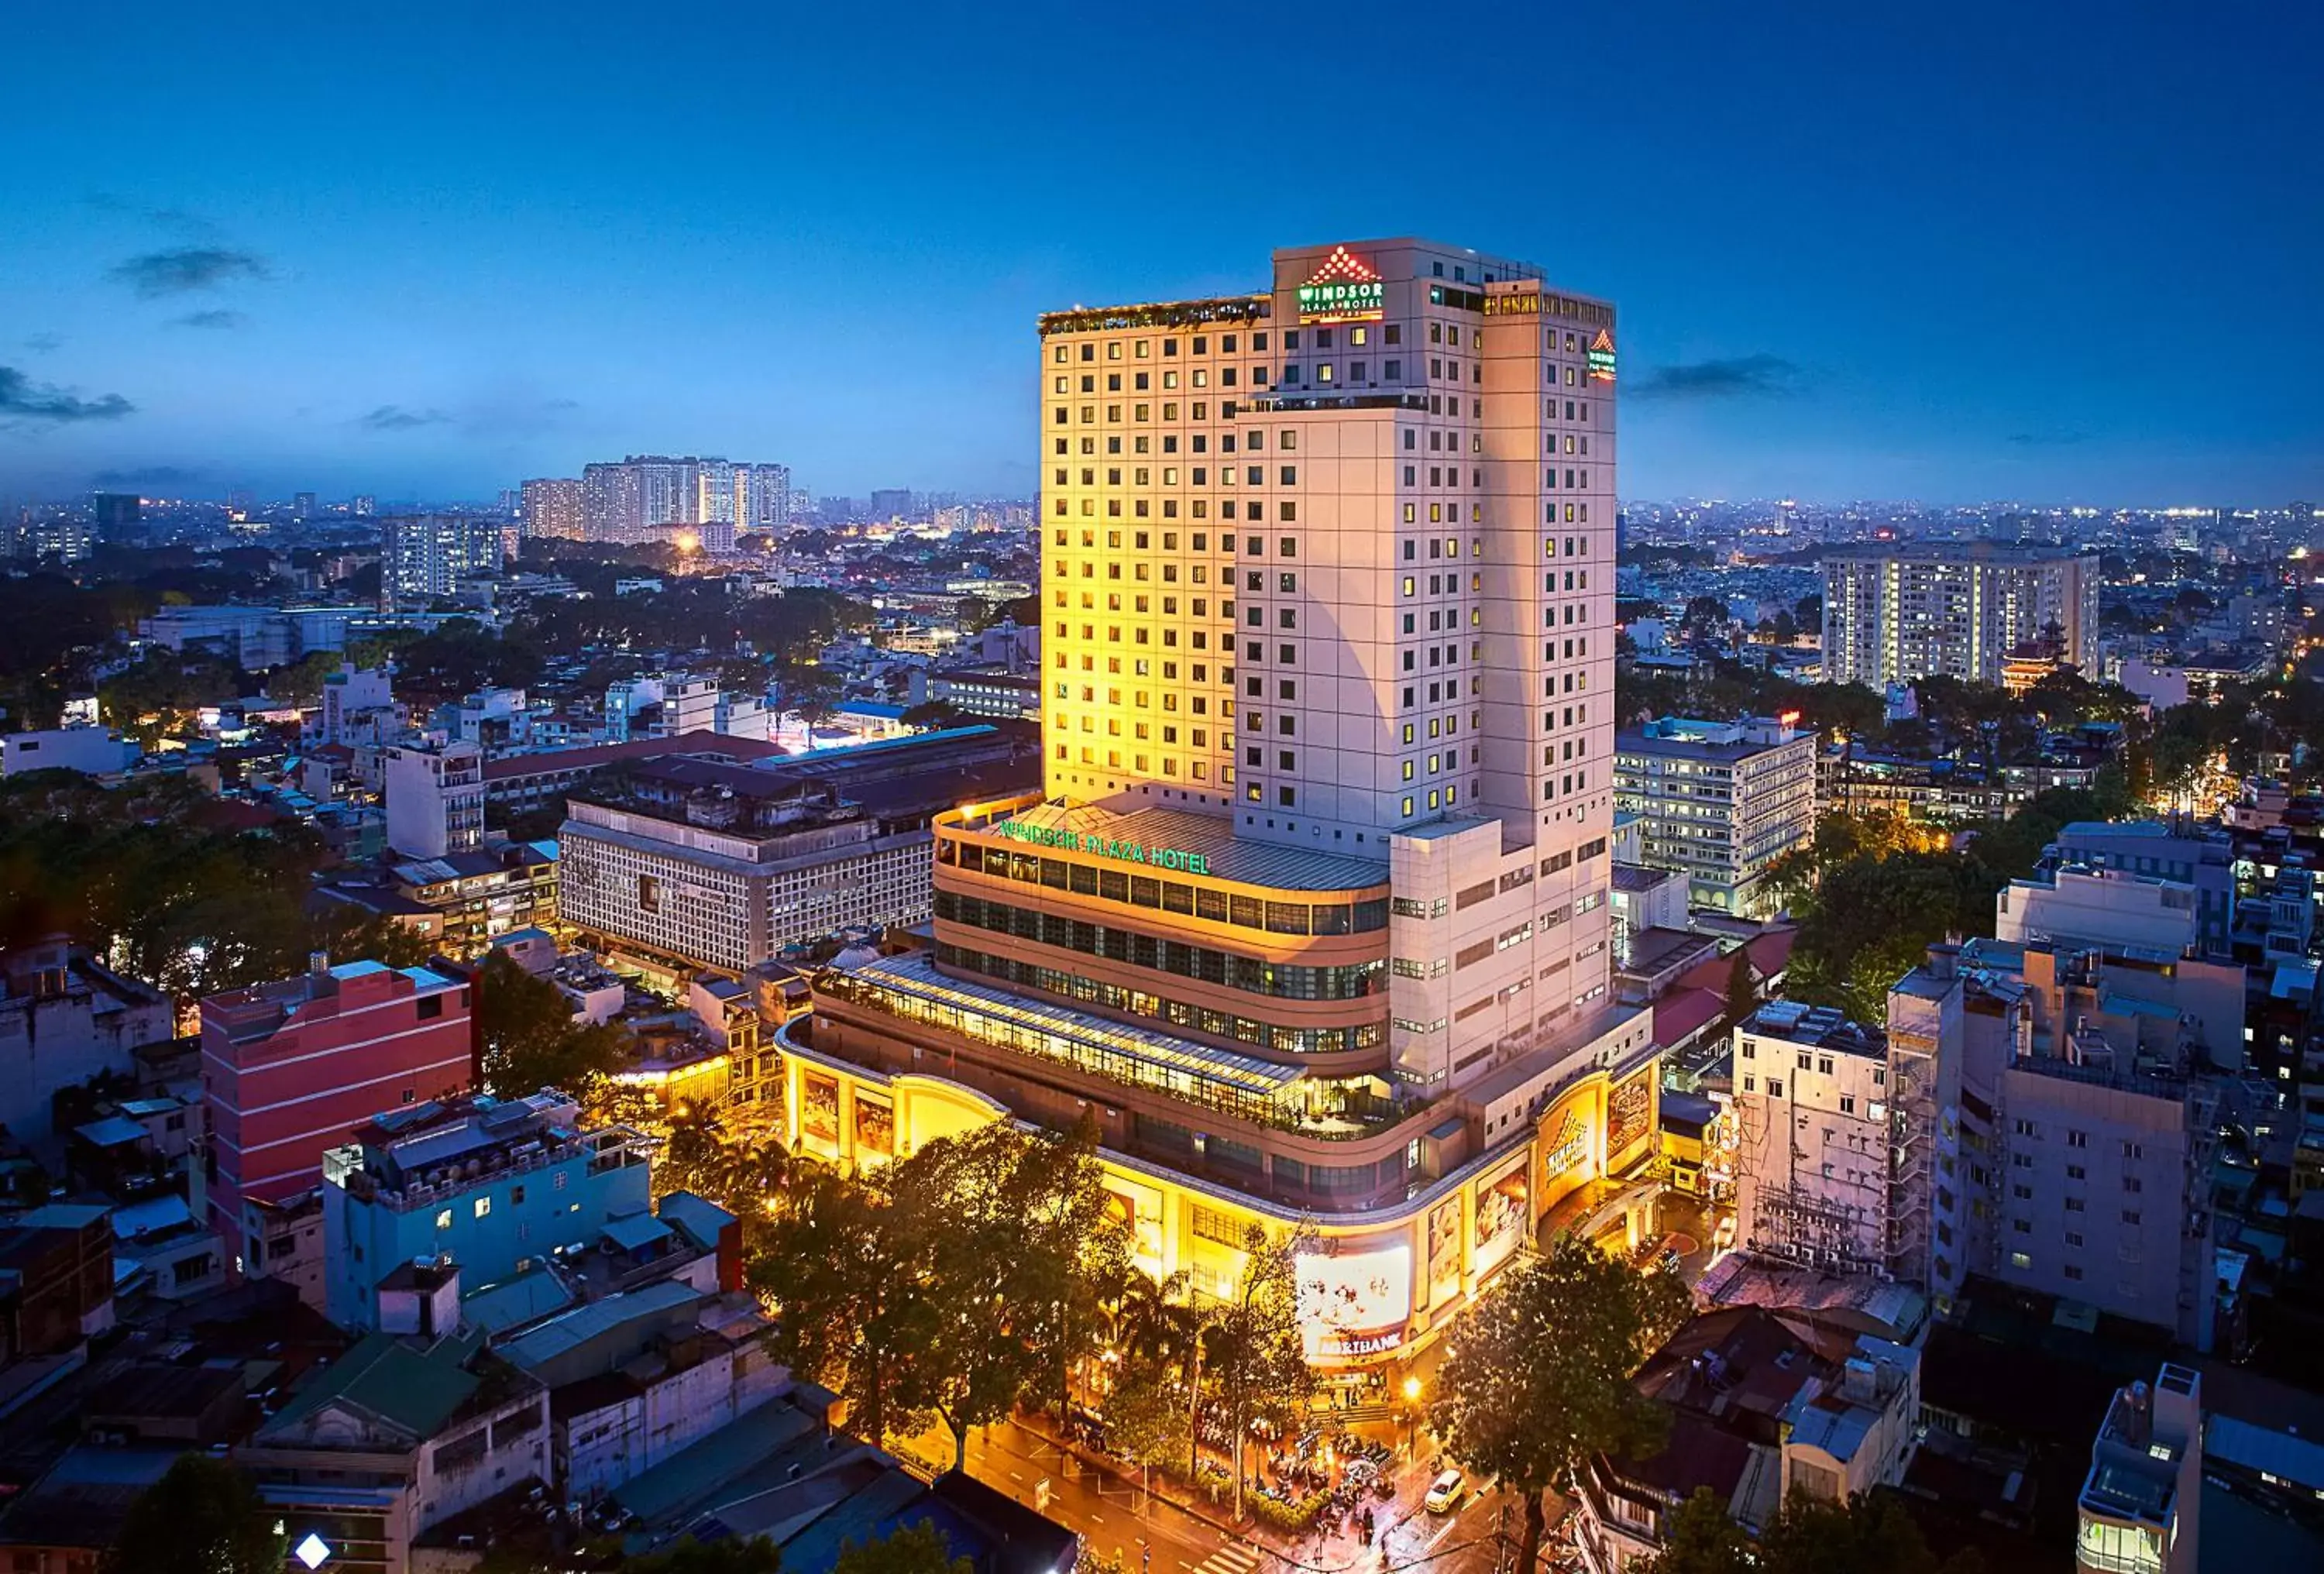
<point x="1170" y="858"/>
<point x="1343" y="299"/>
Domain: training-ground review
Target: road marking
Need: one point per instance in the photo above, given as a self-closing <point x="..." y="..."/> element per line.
<point x="1097" y="1519"/>
<point x="1014" y="1476"/>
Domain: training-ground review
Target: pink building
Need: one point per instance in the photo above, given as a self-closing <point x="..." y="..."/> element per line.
<point x="288" y="1069"/>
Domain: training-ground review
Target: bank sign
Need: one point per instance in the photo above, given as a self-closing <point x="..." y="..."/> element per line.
<point x="1345" y="289"/>
<point x="1170" y="858"/>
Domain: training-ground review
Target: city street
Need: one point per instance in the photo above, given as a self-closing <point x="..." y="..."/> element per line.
<point x="1150" y="1536"/>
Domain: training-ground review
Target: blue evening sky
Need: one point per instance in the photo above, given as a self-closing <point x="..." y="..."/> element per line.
<point x="2051" y="250"/>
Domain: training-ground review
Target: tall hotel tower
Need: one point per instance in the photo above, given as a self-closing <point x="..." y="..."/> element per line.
<point x="1313" y="911"/>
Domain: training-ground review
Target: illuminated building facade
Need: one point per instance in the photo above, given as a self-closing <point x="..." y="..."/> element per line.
<point x="1313" y="911"/>
<point x="1954" y="609"/>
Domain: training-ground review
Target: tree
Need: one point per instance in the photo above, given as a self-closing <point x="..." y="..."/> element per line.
<point x="1538" y="1377"/>
<point x="1871" y="1534"/>
<point x="203" y="1516"/>
<point x="846" y="1282"/>
<point x="733" y="1555"/>
<point x="931" y="714"/>
<point x="1742" y="986"/>
<point x="301" y="682"/>
<point x="918" y="1548"/>
<point x="531" y="1040"/>
<point x="1254" y="1354"/>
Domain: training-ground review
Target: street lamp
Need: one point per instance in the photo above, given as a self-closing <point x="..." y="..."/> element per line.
<point x="1411" y="1417"/>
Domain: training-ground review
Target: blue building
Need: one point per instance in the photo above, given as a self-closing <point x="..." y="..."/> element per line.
<point x="500" y="1187"/>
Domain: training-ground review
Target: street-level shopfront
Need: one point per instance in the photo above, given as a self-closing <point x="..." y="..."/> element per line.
<point x="1379" y="1285"/>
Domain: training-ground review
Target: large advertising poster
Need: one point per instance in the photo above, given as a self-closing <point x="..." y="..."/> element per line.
<point x="1628" y="1114"/>
<point x="875" y="1126"/>
<point x="1355" y="1302"/>
<point x="819" y="1112"/>
<point x="1501" y="1218"/>
<point x="1444" y="1251"/>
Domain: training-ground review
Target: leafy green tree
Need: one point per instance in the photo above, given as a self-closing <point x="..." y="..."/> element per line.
<point x="1157" y="1333"/>
<point x="203" y="1516"/>
<point x="531" y="1041"/>
<point x="301" y="682"/>
<point x="732" y="1555"/>
<point x="1254" y="1356"/>
<point x="847" y="1280"/>
<point x="1538" y="1378"/>
<point x="918" y="1548"/>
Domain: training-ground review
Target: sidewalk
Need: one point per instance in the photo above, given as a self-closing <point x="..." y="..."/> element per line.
<point x="1311" y="1551"/>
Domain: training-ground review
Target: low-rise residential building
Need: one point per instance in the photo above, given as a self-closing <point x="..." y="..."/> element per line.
<point x="289" y="1068"/>
<point x="1718" y="802"/>
<point x="1843" y="1157"/>
<point x="90" y="751"/>
<point x="398" y="1435"/>
<point x="2140" y="1510"/>
<point x="65" y="1018"/>
<point x="495" y="1187"/>
<point x="636" y="1378"/>
<point x="435" y="799"/>
<point x="462" y="901"/>
<point x="1761" y="1406"/>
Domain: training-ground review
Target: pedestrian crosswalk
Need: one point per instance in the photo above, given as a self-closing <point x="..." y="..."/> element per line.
<point x="1235" y="1558"/>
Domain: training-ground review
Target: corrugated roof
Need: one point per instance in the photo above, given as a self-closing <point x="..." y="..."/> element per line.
<point x="514" y="1302"/>
<point x="418" y="1390"/>
<point x="635" y="1231"/>
<point x="570" y="1330"/>
<point x="2297" y="1460"/>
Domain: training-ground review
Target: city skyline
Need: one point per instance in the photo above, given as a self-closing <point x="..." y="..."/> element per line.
<point x="1821" y="299"/>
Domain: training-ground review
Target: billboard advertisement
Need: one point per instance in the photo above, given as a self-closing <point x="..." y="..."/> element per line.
<point x="1502" y="1221"/>
<point x="1355" y="1302"/>
<point x="875" y="1126"/>
<point x="1444" y="1251"/>
<point x="819" y="1112"/>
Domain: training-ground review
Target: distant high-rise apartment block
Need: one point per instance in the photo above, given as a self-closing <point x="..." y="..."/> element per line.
<point x="424" y="557"/>
<point x="1312" y="912"/>
<point x="119" y="515"/>
<point x="639" y="499"/>
<point x="364" y="506"/>
<point x="771" y="498"/>
<point x="612" y="503"/>
<point x="892" y="502"/>
<point x="302" y="505"/>
<point x="1891" y="614"/>
<point x="554" y="508"/>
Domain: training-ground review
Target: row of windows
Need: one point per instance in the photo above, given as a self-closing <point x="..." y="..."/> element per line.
<point x="1177" y="1013"/>
<point x="1253" y="975"/>
<point x="1231" y="344"/>
<point x="1165" y="895"/>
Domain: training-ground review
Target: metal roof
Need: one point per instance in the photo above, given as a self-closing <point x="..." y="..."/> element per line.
<point x="916" y="975"/>
<point x="1212" y="836"/>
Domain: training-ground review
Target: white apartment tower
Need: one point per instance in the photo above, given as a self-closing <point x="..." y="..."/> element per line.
<point x="1335" y="561"/>
<point x="1891" y="614"/>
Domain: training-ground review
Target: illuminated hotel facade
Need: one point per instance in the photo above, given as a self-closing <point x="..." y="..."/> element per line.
<point x="1312" y="912"/>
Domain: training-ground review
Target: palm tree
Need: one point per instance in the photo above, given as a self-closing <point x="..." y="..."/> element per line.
<point x="1156" y="1326"/>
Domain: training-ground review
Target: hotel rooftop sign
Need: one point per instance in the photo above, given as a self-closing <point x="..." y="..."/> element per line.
<point x="1345" y="289"/>
<point x="1170" y="858"/>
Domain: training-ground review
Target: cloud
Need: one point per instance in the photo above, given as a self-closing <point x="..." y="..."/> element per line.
<point x="394" y="417"/>
<point x="42" y="344"/>
<point x="23" y="400"/>
<point x="2051" y="439"/>
<point x="187" y="268"/>
<point x="217" y="318"/>
<point x="147" y="475"/>
<point x="1760" y="376"/>
<point x="173" y="218"/>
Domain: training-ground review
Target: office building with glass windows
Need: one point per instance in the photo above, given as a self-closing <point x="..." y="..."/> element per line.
<point x="1311" y="912"/>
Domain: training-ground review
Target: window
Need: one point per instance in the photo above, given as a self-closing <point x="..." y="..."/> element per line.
<point x="484" y="1207"/>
